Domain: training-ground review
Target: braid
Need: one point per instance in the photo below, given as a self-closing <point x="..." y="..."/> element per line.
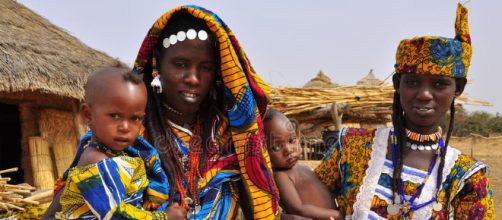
<point x="443" y="152"/>
<point x="162" y="141"/>
<point x="398" y="123"/>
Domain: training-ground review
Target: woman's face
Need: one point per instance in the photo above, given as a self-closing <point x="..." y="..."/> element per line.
<point x="425" y="99"/>
<point x="188" y="73"/>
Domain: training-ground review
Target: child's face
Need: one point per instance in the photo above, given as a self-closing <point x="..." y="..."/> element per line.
<point x="116" y="116"/>
<point x="282" y="142"/>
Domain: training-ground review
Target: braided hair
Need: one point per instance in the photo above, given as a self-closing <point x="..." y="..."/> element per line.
<point x="399" y="128"/>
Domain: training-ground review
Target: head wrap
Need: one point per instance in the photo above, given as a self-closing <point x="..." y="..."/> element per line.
<point x="245" y="95"/>
<point x="438" y="55"/>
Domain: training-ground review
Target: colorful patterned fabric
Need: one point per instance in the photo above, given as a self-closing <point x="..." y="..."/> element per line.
<point x="111" y="188"/>
<point x="358" y="173"/>
<point x="245" y="100"/>
<point x="217" y="189"/>
<point x="438" y="55"/>
<point x="155" y="193"/>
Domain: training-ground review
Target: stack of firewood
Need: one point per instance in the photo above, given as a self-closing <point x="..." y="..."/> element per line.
<point x="19" y="196"/>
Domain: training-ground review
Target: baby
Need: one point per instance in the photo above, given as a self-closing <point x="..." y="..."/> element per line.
<point x="109" y="180"/>
<point x="302" y="193"/>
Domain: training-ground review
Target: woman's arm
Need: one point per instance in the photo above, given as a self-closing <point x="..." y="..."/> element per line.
<point x="293" y="204"/>
<point x="475" y="200"/>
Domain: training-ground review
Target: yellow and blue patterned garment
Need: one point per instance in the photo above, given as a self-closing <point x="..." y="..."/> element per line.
<point x="357" y="172"/>
<point x="121" y="187"/>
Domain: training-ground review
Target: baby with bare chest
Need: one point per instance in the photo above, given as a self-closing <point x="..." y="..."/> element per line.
<point x="302" y="193"/>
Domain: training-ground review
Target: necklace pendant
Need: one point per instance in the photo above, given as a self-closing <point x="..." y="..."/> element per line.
<point x="406" y="208"/>
<point x="437" y="206"/>
<point x="393" y="209"/>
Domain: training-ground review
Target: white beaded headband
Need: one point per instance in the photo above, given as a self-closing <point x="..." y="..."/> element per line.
<point x="181" y="36"/>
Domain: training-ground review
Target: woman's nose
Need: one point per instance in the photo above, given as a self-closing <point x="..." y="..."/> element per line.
<point x="425" y="93"/>
<point x="192" y="77"/>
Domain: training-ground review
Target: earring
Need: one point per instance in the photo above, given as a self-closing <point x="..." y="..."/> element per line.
<point x="156" y="85"/>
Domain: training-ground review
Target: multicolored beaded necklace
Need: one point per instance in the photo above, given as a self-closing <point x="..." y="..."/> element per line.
<point x="407" y="205"/>
<point x="421" y="138"/>
<point x="104" y="149"/>
<point x="189" y="155"/>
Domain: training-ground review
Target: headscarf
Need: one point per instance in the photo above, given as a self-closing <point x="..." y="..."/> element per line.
<point x="438" y="55"/>
<point x="245" y="95"/>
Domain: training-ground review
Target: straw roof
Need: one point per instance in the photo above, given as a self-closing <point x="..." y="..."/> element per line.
<point x="369" y="104"/>
<point x="369" y="80"/>
<point x="320" y="81"/>
<point x="37" y="56"/>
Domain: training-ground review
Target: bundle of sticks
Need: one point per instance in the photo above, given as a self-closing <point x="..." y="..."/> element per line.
<point x="360" y="103"/>
<point x="357" y="103"/>
<point x="18" y="196"/>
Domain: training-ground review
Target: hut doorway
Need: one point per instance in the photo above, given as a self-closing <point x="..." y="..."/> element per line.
<point x="10" y="141"/>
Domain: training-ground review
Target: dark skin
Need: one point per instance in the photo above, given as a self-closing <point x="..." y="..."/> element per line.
<point x="425" y="100"/>
<point x="187" y="73"/>
<point x="302" y="193"/>
<point x="114" y="111"/>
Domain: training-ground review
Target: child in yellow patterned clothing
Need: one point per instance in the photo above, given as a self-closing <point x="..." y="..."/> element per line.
<point x="109" y="180"/>
<point x="301" y="192"/>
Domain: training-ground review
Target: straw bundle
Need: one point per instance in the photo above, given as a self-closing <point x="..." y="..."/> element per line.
<point x="63" y="156"/>
<point x="57" y="126"/>
<point x="357" y="103"/>
<point x="41" y="163"/>
<point x="17" y="197"/>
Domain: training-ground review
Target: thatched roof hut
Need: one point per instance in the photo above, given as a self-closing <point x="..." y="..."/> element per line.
<point x="369" y="80"/>
<point x="321" y="80"/>
<point x="42" y="73"/>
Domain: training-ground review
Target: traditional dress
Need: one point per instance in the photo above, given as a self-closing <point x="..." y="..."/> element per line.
<point x="238" y="151"/>
<point x="127" y="186"/>
<point x="359" y="174"/>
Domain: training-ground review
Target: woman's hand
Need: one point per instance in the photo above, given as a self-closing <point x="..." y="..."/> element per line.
<point x="175" y="211"/>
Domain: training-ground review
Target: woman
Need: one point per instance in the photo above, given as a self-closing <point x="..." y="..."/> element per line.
<point x="203" y="115"/>
<point x="409" y="171"/>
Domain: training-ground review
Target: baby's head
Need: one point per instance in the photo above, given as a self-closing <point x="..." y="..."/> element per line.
<point x="114" y="107"/>
<point x="282" y="140"/>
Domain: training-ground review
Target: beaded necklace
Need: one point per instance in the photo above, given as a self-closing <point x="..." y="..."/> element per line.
<point x="407" y="205"/>
<point x="189" y="155"/>
<point x="417" y="137"/>
<point x="104" y="149"/>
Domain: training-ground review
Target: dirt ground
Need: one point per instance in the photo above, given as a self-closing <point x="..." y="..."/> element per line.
<point x="488" y="151"/>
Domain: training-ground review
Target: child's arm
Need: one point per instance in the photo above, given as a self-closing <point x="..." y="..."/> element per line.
<point x="106" y="185"/>
<point x="293" y="204"/>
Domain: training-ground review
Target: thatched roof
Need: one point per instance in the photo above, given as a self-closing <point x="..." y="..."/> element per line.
<point x="369" y="80"/>
<point x="320" y="81"/>
<point x="37" y="56"/>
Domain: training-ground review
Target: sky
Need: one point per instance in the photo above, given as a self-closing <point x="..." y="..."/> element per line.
<point x="289" y="42"/>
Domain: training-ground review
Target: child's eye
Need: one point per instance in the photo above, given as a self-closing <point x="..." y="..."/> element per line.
<point x="275" y="148"/>
<point x="292" y="140"/>
<point x="137" y="118"/>
<point x="114" y="115"/>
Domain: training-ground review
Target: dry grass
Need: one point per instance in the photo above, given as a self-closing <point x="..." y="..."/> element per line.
<point x="35" y="55"/>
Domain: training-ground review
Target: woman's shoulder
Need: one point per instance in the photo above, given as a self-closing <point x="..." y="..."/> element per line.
<point x="462" y="166"/>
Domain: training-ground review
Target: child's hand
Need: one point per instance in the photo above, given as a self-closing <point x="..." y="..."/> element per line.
<point x="336" y="217"/>
<point x="175" y="211"/>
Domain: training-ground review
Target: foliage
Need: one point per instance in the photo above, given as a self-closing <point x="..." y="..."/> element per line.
<point x="479" y="122"/>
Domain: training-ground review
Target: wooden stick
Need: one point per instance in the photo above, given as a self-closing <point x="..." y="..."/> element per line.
<point x="41" y="196"/>
<point x="9" y="170"/>
<point x="14" y="207"/>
